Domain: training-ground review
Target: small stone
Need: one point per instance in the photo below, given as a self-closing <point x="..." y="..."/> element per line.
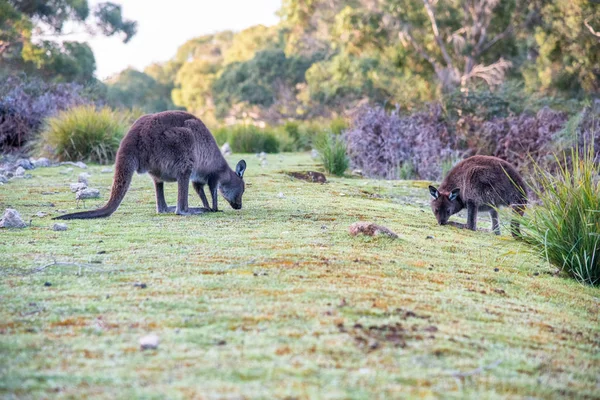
<point x="42" y="162"/>
<point x="536" y="273"/>
<point x="47" y="284"/>
<point x="281" y="195"/>
<point x="264" y="162"/>
<point x="226" y="149"/>
<point x="357" y="172"/>
<point x="40" y="214"/>
<point x="83" y="178"/>
<point x="24" y="163"/>
<point x="12" y="219"/>
<point x="66" y="171"/>
<point x="496" y="269"/>
<point x="429" y="237"/>
<point x="88" y="193"/>
<point x="19" y="172"/>
<point x="314" y="154"/>
<point x="106" y="170"/>
<point x="59" y="227"/>
<point x="262" y="155"/>
<point x="149" y="342"/>
<point x="76" y="187"/>
<point x="78" y="164"/>
<point x="140" y="285"/>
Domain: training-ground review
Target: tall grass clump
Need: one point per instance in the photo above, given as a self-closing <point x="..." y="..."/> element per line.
<point x="332" y="151"/>
<point x="251" y="139"/>
<point x="84" y="133"/>
<point x="565" y="226"/>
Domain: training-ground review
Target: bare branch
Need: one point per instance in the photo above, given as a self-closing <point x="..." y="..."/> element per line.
<point x="436" y="33"/>
<point x="492" y="74"/>
<point x="586" y="22"/>
<point x="405" y="35"/>
<point x="509" y="29"/>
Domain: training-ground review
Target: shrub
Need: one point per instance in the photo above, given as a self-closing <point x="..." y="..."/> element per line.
<point x="252" y="139"/>
<point x="84" y="133"/>
<point x="332" y="150"/>
<point x="565" y="227"/>
<point x="24" y="103"/>
<point x="381" y="144"/>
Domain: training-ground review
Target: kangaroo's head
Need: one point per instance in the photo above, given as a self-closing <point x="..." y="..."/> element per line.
<point x="233" y="188"/>
<point x="444" y="205"/>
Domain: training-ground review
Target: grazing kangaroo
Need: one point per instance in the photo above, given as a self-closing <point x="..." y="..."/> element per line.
<point x="172" y="146"/>
<point x="480" y="183"/>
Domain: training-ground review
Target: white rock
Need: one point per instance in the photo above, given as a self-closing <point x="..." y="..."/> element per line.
<point x="314" y="153"/>
<point x="262" y="155"/>
<point x="83" y="177"/>
<point x="281" y="195"/>
<point x="149" y="342"/>
<point x="106" y="170"/>
<point x="59" y="227"/>
<point x="88" y="193"/>
<point x="76" y="164"/>
<point x="41" y="214"/>
<point x="76" y="187"/>
<point x="19" y="172"/>
<point x="12" y="219"/>
<point x="42" y="162"/>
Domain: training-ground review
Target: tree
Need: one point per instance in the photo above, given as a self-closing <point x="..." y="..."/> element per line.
<point x="21" y="19"/>
<point x="135" y="89"/>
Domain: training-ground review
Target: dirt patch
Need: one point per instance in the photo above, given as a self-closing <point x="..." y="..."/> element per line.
<point x="370" y="229"/>
<point x="309" y="176"/>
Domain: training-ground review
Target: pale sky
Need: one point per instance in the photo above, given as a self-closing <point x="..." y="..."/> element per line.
<point x="163" y="26"/>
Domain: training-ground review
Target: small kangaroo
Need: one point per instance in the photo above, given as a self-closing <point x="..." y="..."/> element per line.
<point x="480" y="183"/>
<point x="172" y="146"/>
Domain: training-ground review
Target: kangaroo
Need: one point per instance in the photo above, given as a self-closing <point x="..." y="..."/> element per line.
<point x="480" y="183"/>
<point x="172" y="146"/>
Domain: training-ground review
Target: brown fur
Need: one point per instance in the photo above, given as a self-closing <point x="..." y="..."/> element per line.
<point x="172" y="146"/>
<point x="479" y="183"/>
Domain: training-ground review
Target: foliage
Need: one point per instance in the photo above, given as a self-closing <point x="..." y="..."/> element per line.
<point x="257" y="81"/>
<point x="248" y="139"/>
<point x="84" y="134"/>
<point x="381" y="143"/>
<point x="132" y="88"/>
<point x="565" y="226"/>
<point x="62" y="60"/>
<point x="26" y="102"/>
<point x="332" y="152"/>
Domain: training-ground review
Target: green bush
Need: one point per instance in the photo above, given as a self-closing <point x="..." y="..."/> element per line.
<point x="565" y="227"/>
<point x="252" y="139"/>
<point x="84" y="134"/>
<point x="332" y="150"/>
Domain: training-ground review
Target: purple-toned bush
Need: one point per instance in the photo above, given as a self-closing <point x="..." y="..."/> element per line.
<point x="24" y="103"/>
<point x="387" y="145"/>
<point x="384" y="144"/>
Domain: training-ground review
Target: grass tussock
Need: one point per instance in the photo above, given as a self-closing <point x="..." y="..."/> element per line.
<point x="565" y="227"/>
<point x="84" y="133"/>
<point x="333" y="154"/>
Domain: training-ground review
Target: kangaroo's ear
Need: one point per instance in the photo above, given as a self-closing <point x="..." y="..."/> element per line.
<point x="454" y="194"/>
<point x="434" y="192"/>
<point x="240" y="168"/>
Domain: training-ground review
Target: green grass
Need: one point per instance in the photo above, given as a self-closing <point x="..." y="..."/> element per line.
<point x="84" y="134"/>
<point x="277" y="300"/>
<point x="332" y="151"/>
<point x="565" y="227"/>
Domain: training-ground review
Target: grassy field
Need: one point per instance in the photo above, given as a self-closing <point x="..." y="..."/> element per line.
<point x="277" y="300"/>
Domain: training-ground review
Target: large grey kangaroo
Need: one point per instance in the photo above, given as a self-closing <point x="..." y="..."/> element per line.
<point x="480" y="183"/>
<point x="172" y="146"/>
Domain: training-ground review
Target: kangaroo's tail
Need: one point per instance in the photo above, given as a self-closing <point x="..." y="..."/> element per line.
<point x="124" y="169"/>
